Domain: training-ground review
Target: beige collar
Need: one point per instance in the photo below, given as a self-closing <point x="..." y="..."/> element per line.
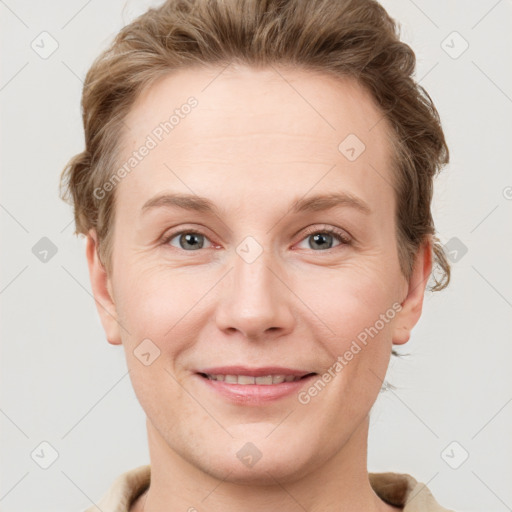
<point x="398" y="489"/>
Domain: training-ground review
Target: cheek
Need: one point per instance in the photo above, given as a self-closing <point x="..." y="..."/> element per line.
<point x="155" y="306"/>
<point x="153" y="300"/>
<point x="356" y="320"/>
<point x="346" y="300"/>
<point x="167" y="307"/>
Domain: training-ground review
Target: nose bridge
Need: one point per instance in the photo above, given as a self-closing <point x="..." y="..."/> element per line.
<point x="252" y="271"/>
<point x="254" y="301"/>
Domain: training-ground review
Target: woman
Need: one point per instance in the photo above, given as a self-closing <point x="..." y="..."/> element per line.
<point x="226" y="143"/>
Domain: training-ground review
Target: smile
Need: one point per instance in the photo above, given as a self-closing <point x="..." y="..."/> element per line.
<point x="254" y="386"/>
<point x="266" y="380"/>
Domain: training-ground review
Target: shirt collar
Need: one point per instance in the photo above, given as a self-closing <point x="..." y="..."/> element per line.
<point x="398" y="489"/>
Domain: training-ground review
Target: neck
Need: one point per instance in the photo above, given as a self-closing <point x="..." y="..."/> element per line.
<point x="338" y="484"/>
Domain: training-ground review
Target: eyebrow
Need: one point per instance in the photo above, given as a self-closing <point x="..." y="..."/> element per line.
<point x="315" y="203"/>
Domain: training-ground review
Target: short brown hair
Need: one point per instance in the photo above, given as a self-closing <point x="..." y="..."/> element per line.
<point x="344" y="38"/>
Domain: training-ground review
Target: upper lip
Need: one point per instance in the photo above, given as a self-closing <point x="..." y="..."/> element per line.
<point x="254" y="372"/>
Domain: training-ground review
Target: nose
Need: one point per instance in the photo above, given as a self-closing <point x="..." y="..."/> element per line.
<point x="255" y="301"/>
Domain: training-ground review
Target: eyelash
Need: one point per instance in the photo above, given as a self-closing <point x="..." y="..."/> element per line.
<point x="339" y="235"/>
<point x="336" y="233"/>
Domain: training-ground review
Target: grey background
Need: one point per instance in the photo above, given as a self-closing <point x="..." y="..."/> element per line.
<point x="63" y="384"/>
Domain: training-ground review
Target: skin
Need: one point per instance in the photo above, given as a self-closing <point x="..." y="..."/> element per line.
<point x="252" y="146"/>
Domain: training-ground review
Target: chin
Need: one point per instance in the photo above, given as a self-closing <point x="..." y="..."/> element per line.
<point x="262" y="461"/>
<point x="262" y="473"/>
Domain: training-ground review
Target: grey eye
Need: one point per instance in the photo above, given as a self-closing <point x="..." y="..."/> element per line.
<point x="321" y="240"/>
<point x="188" y="240"/>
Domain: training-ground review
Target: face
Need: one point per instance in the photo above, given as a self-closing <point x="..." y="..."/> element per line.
<point x="254" y="239"/>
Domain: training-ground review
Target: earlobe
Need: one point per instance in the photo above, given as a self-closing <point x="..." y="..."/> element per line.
<point x="102" y="290"/>
<point x="412" y="305"/>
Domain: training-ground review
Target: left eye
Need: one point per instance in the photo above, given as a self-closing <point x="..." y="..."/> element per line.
<point x="322" y="238"/>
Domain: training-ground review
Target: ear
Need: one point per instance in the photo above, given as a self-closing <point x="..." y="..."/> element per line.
<point x="412" y="305"/>
<point x="102" y="290"/>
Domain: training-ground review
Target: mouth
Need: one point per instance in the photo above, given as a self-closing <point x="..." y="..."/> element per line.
<point x="247" y="380"/>
<point x="254" y="386"/>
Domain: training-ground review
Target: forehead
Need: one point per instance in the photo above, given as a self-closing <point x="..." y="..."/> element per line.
<point x="267" y="129"/>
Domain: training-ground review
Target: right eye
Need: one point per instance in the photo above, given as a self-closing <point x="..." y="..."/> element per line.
<point x="187" y="240"/>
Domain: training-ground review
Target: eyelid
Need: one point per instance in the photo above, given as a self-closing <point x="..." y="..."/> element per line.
<point x="344" y="237"/>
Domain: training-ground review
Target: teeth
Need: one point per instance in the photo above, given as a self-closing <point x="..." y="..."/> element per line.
<point x="264" y="380"/>
<point x="246" y="379"/>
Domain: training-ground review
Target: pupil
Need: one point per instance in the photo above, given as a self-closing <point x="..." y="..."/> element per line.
<point x="319" y="238"/>
<point x="189" y="239"/>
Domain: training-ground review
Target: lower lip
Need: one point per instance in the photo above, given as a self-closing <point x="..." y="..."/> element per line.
<point x="254" y="394"/>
